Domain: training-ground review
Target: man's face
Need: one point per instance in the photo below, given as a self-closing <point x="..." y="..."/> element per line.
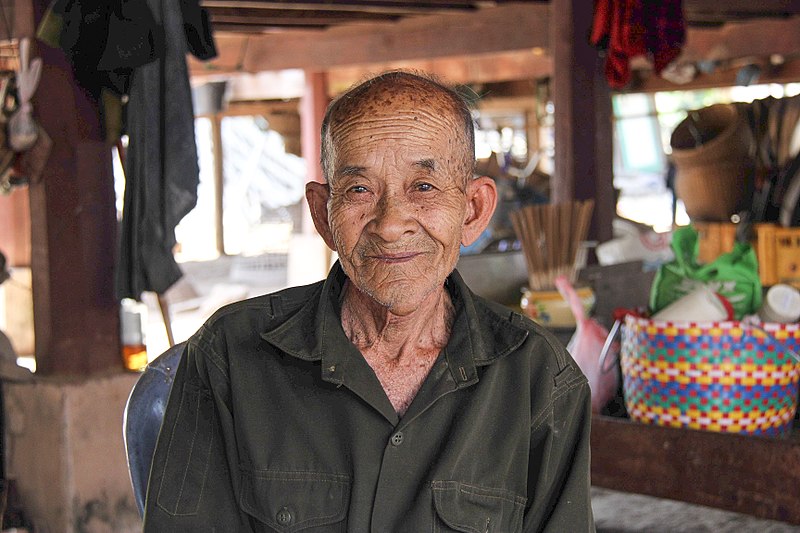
<point x="397" y="199"/>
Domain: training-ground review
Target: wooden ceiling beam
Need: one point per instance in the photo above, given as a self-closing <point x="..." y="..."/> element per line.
<point x="483" y="31"/>
<point x="352" y="5"/>
<point x="397" y="8"/>
<point x="328" y="17"/>
<point x="453" y="46"/>
<point x="519" y="66"/>
<point x="483" y="68"/>
<point x="257" y="18"/>
<point x="243" y="32"/>
<point x="749" y="7"/>
<point x="699" y="13"/>
<point x="760" y="37"/>
<point x="788" y="72"/>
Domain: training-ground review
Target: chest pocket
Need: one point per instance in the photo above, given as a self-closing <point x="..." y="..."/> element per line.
<point x="295" y="501"/>
<point x="473" y="509"/>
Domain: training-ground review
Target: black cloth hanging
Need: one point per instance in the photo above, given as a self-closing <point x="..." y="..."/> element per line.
<point x="138" y="49"/>
<point x="106" y="40"/>
<point x="162" y="171"/>
<point x="103" y="40"/>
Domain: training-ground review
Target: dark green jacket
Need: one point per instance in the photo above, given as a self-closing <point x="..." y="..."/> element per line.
<point x="277" y="423"/>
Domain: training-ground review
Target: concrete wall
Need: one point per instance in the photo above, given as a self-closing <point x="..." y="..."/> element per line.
<point x="65" y="450"/>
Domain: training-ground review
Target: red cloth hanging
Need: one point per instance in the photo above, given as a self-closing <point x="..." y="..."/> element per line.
<point x="630" y="28"/>
<point x="666" y="31"/>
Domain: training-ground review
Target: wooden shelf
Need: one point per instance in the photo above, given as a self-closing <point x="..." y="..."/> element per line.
<point x="758" y="476"/>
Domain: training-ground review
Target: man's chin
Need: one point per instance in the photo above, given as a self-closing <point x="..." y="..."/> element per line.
<point x="402" y="298"/>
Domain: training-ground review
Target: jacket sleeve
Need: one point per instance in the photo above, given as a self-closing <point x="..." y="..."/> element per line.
<point x="559" y="464"/>
<point x="193" y="478"/>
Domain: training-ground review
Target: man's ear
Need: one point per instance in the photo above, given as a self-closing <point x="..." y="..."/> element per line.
<point x="317" y="195"/>
<point x="481" y="202"/>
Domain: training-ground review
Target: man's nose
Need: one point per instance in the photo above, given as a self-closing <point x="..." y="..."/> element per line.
<point x="393" y="218"/>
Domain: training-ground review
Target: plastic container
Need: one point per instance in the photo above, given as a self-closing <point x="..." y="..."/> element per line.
<point x="700" y="304"/>
<point x="549" y="309"/>
<point x="781" y="304"/>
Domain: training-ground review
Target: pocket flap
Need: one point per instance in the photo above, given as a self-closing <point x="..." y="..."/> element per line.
<point x="293" y="501"/>
<point x="475" y="509"/>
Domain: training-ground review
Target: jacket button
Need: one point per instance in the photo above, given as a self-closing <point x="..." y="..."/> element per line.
<point x="284" y="517"/>
<point x="397" y="438"/>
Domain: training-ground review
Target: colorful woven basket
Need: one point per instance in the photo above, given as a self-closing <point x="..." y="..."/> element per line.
<point x="716" y="376"/>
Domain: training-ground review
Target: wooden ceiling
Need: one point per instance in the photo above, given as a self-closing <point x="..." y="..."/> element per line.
<point x="718" y="12"/>
<point x="259" y="16"/>
<point x="266" y="16"/>
<point x="468" y="41"/>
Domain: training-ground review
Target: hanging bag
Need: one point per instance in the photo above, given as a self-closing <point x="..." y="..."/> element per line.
<point x="734" y="275"/>
<point x="587" y="347"/>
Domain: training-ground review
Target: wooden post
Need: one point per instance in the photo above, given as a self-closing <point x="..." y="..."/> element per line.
<point x="73" y="229"/>
<point x="15" y="227"/>
<point x="583" y="129"/>
<point x="219" y="180"/>
<point x="312" y="110"/>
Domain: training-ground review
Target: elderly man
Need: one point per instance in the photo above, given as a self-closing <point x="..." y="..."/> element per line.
<point x="387" y="398"/>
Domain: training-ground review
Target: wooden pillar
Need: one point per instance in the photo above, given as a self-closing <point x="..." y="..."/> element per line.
<point x="73" y="229"/>
<point x="15" y="227"/>
<point x="583" y="129"/>
<point x="312" y="110"/>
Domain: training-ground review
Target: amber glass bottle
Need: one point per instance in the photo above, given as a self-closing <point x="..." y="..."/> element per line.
<point x="133" y="317"/>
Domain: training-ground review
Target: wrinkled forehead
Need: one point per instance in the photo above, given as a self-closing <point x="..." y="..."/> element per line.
<point x="408" y="99"/>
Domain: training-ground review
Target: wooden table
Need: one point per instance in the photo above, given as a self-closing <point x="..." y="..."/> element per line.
<point x="754" y="475"/>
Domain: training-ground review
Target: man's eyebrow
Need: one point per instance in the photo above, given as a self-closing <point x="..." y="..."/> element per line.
<point x="350" y="170"/>
<point x="427" y="164"/>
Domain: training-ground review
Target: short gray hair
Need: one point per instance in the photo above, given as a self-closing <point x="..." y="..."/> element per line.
<point x="460" y="108"/>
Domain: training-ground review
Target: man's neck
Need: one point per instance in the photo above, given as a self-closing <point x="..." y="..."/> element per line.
<point x="400" y="350"/>
<point x="371" y="326"/>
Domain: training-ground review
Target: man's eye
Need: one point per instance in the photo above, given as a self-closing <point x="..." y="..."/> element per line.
<point x="358" y="189"/>
<point x="424" y="187"/>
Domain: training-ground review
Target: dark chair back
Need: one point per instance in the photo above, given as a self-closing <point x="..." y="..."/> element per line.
<point x="144" y="412"/>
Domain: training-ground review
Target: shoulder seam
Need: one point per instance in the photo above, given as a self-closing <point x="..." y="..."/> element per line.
<point x="203" y="346"/>
<point x="579" y="381"/>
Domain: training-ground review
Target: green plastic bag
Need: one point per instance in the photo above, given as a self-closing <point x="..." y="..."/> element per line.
<point x="734" y="275"/>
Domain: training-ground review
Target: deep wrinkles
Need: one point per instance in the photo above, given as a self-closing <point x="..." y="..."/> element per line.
<point x="443" y="121"/>
<point x="404" y="99"/>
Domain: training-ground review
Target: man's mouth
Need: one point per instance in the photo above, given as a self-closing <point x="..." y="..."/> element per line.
<point x="393" y="258"/>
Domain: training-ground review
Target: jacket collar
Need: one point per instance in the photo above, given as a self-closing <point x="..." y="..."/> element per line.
<point x="479" y="334"/>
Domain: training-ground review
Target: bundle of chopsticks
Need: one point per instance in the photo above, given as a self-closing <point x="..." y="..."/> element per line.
<point x="551" y="237"/>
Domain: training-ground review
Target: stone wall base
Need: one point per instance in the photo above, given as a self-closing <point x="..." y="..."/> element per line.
<point x="65" y="452"/>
